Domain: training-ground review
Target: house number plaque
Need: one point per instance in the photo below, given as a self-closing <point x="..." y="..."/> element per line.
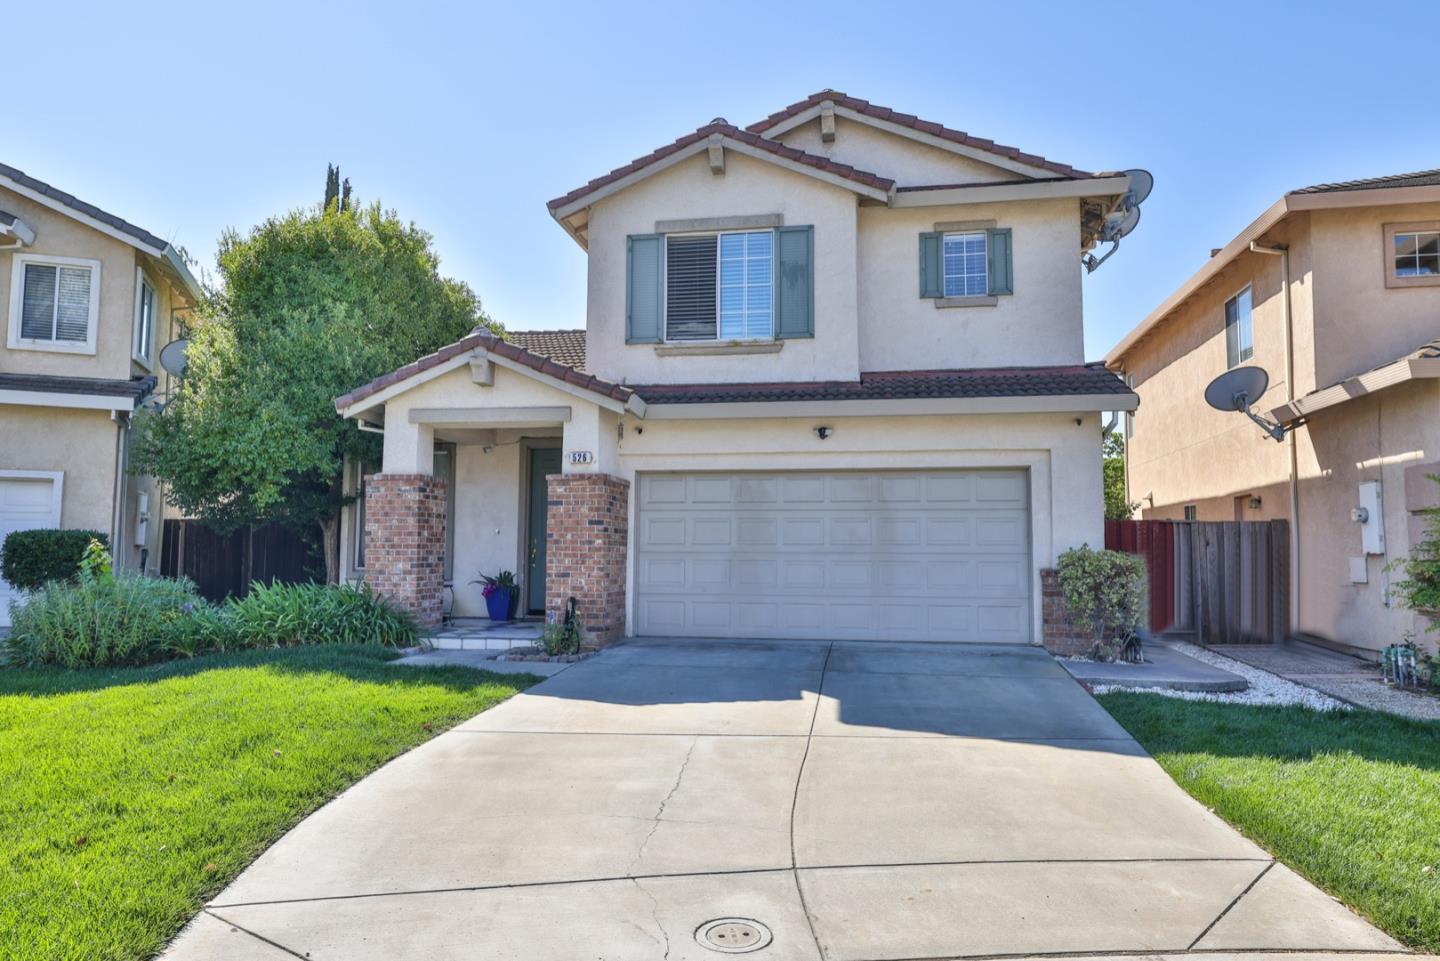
<point x="582" y="457"/>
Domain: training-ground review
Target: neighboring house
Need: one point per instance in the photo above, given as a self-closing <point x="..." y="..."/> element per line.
<point x="1359" y="326"/>
<point x="832" y="384"/>
<point x="89" y="302"/>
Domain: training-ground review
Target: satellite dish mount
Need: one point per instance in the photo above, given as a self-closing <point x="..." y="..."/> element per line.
<point x="1125" y="217"/>
<point x="1237" y="389"/>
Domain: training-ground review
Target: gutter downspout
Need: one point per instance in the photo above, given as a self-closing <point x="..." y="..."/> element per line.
<point x="1283" y="252"/>
<point x="117" y="506"/>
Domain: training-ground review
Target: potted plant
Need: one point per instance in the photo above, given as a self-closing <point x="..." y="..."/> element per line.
<point x="502" y="595"/>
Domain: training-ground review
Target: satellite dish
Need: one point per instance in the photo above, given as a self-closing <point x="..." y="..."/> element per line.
<point x="172" y="357"/>
<point x="1237" y="389"/>
<point x="1120" y="223"/>
<point x="1141" y="183"/>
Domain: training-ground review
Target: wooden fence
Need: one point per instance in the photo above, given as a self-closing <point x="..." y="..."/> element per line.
<point x="226" y="565"/>
<point x="1220" y="582"/>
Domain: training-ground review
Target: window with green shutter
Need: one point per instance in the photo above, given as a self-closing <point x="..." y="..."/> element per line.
<point x="962" y="265"/>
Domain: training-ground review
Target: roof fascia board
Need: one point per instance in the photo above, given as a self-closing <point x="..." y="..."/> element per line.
<point x="45" y="398"/>
<point x="399" y="387"/>
<point x="900" y="130"/>
<point x="1364" y="197"/>
<point x="1060" y="404"/>
<point x="1361" y="385"/>
<point x="1272" y="216"/>
<point x="987" y="193"/>
<point x="703" y="146"/>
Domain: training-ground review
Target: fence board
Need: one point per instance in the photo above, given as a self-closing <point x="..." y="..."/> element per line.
<point x="226" y="565"/>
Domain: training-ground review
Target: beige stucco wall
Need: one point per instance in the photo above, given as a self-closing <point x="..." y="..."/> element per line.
<point x="62" y="236"/>
<point x="79" y="443"/>
<point x="1040" y="323"/>
<point x="689" y="190"/>
<point x="908" y="162"/>
<point x="1359" y="322"/>
<point x="1375" y="438"/>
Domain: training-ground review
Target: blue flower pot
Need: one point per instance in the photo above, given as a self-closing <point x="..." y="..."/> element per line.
<point x="499" y="604"/>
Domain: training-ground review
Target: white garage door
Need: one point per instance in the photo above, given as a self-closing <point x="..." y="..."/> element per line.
<point x="884" y="555"/>
<point x="25" y="504"/>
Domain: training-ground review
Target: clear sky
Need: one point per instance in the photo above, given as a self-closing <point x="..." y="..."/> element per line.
<point x="188" y="118"/>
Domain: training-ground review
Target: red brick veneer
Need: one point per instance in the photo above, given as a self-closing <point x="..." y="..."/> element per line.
<point x="405" y="541"/>
<point x="587" y="535"/>
<point x="1058" y="633"/>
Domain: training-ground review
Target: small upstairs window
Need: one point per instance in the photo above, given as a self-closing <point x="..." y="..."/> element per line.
<point x="144" y="319"/>
<point x="1239" y="331"/>
<point x="1412" y="255"/>
<point x="54" y="303"/>
<point x="964" y="264"/>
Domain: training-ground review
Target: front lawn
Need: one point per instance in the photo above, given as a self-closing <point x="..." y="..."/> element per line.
<point x="1349" y="799"/>
<point x="130" y="796"/>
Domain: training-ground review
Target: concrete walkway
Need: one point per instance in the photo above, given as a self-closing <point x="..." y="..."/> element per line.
<point x="1348" y="678"/>
<point x="844" y="802"/>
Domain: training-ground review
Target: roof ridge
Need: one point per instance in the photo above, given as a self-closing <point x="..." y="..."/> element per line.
<point x="727" y="129"/>
<point x="879" y="112"/>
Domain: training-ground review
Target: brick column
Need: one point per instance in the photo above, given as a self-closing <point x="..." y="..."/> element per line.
<point x="405" y="541"/>
<point x="1058" y="633"/>
<point x="587" y="535"/>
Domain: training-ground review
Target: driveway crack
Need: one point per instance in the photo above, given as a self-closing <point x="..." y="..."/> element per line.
<point x="660" y="811"/>
<point x="795" y="801"/>
<point x="655" y="916"/>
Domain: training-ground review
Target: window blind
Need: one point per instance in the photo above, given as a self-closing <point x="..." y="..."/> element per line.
<point x="690" y="292"/>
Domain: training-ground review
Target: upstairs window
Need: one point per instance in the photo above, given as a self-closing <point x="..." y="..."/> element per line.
<point x="1239" y="332"/>
<point x="144" y="319"/>
<point x="54" y="303"/>
<point x="965" y="264"/>
<point x="720" y="286"/>
<point x="1412" y="255"/>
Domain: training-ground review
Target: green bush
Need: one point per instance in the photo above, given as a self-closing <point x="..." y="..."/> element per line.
<point x="102" y="621"/>
<point x="1107" y="593"/>
<point x="29" y="559"/>
<point x="283" y="615"/>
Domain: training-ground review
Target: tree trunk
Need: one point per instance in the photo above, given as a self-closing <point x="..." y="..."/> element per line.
<point x="330" y="546"/>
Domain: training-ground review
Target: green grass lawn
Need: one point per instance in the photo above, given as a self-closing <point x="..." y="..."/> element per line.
<point x="1351" y="799"/>
<point x="130" y="796"/>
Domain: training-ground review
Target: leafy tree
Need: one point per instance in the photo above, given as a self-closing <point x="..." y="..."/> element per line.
<point x="312" y="304"/>
<point x="1117" y="508"/>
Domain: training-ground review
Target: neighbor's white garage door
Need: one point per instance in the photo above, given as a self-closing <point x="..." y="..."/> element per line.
<point x="25" y="504"/>
<point x="885" y="555"/>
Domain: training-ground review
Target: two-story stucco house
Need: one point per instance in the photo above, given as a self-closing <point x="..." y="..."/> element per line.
<point x="89" y="300"/>
<point x="832" y="384"/>
<point x="1335" y="292"/>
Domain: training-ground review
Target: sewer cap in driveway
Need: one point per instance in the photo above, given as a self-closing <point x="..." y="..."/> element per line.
<point x="733" y="935"/>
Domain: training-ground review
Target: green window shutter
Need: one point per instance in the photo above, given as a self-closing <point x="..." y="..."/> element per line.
<point x="795" y="282"/>
<point x="642" y="288"/>
<point x="932" y="283"/>
<point x="998" y="261"/>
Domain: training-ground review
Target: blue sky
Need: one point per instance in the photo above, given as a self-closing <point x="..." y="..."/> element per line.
<point x="466" y="118"/>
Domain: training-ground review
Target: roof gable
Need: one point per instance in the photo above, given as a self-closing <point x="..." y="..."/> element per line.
<point x="911" y="126"/>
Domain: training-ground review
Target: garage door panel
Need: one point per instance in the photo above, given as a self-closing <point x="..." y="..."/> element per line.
<point x="890" y="555"/>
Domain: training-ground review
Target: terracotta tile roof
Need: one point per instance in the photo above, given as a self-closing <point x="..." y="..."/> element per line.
<point x="76" y="204"/>
<point x="135" y="388"/>
<point x="1077" y="379"/>
<point x="915" y="123"/>
<point x="1421" y="178"/>
<point x="487" y="340"/>
<point x="564" y="346"/>
<point x="727" y="129"/>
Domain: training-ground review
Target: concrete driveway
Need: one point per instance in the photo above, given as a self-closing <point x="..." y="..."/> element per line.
<point x="846" y="802"/>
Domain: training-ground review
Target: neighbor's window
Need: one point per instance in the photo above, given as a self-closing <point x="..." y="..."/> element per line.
<point x="1190" y="512"/>
<point x="54" y="302"/>
<point x="144" y="319"/>
<point x="1413" y="255"/>
<point x="963" y="264"/>
<point x="720" y="286"/>
<point x="1239" y="333"/>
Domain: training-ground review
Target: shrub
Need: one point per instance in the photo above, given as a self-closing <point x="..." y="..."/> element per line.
<point x="1419" y="589"/>
<point x="29" y="559"/>
<point x="283" y="615"/>
<point x="566" y="636"/>
<point x="1107" y="594"/>
<point x="123" y="619"/>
